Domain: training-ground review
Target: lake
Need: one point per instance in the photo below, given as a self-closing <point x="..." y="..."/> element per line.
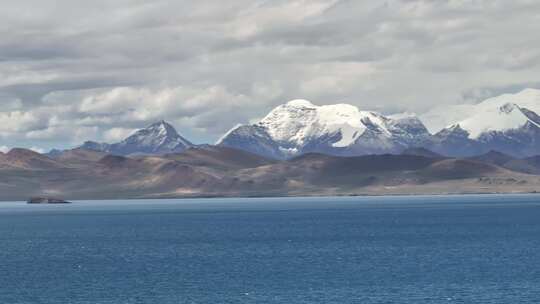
<point x="428" y="249"/>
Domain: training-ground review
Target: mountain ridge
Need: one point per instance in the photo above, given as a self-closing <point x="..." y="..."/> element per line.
<point x="157" y="138"/>
<point x="227" y="172"/>
<point x="507" y="123"/>
<point x="299" y="127"/>
<point x="508" y="128"/>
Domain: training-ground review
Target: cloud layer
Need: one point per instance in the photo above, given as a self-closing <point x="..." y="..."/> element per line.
<point x="77" y="70"/>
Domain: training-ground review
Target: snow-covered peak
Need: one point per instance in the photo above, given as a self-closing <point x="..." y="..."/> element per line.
<point x="446" y="116"/>
<point x="499" y="118"/>
<point x="299" y="120"/>
<point x="157" y="138"/>
<point x="162" y="126"/>
<point x="300" y="103"/>
<point x="528" y="98"/>
<point x="156" y="134"/>
<point x="410" y="120"/>
<point x="299" y="126"/>
<point x="162" y="129"/>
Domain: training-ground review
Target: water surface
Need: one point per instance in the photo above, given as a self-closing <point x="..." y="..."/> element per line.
<point x="431" y="249"/>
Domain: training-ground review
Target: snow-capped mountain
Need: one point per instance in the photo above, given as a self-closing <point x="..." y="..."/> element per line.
<point x="158" y="138"/>
<point x="300" y="127"/>
<point x="442" y="117"/>
<point x="508" y="123"/>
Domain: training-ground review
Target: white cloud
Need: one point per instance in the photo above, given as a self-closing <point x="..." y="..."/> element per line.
<point x="335" y="78"/>
<point x="71" y="134"/>
<point x="262" y="16"/>
<point x="80" y="71"/>
<point x="4" y="149"/>
<point x="18" y="121"/>
<point x="267" y="90"/>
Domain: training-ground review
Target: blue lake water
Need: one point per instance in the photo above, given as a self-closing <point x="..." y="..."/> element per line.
<point x="431" y="249"/>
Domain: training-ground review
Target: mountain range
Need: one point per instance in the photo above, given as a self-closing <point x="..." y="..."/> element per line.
<point x="508" y="123"/>
<point x="301" y="149"/>
<point x="299" y="127"/>
<point x="222" y="171"/>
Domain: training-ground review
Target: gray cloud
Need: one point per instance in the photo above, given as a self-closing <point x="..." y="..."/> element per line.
<point x="77" y="70"/>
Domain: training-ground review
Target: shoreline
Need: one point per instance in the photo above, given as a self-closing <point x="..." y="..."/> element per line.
<point x="294" y="196"/>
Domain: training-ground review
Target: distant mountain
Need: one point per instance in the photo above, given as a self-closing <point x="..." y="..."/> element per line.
<point x="508" y="123"/>
<point x="299" y="127"/>
<point x="494" y="125"/>
<point x="441" y="117"/>
<point x="158" y="138"/>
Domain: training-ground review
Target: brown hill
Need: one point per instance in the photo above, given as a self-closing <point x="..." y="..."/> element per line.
<point x="220" y="171"/>
<point x="79" y="157"/>
<point x="28" y="160"/>
<point x="220" y="157"/>
<point x="450" y="169"/>
<point x="529" y="165"/>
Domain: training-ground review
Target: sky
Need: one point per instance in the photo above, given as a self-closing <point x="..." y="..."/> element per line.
<point x="74" y="70"/>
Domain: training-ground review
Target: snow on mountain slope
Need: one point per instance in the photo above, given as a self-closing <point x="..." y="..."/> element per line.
<point x="500" y="114"/>
<point x="299" y="120"/>
<point x="490" y="118"/>
<point x="255" y="139"/>
<point x="158" y="138"/>
<point x="443" y="117"/>
<point x="528" y="98"/>
<point x="409" y="128"/>
<point x="507" y="123"/>
<point x="300" y="126"/>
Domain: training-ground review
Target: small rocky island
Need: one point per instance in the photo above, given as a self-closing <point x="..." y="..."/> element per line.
<point x="46" y="200"/>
